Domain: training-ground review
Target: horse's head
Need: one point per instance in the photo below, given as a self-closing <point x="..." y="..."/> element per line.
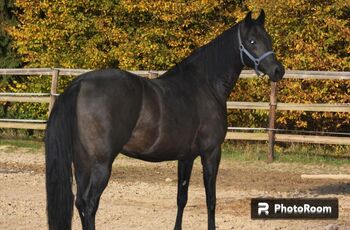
<point x="256" y="48"/>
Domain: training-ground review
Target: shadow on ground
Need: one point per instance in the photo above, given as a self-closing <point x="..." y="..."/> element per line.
<point x="335" y="188"/>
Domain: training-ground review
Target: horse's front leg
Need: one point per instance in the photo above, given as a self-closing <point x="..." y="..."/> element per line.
<point x="210" y="163"/>
<point x="184" y="174"/>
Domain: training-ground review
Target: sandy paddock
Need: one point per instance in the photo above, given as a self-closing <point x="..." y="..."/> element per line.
<point x="142" y="195"/>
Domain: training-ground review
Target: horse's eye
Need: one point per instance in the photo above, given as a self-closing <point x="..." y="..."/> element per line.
<point x="252" y="42"/>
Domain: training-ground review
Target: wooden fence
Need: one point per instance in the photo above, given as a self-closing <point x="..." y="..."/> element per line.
<point x="268" y="134"/>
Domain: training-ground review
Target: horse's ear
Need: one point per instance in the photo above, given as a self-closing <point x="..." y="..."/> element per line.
<point x="261" y="18"/>
<point x="248" y="18"/>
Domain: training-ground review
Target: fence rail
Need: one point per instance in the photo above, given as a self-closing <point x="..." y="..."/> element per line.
<point x="290" y="74"/>
<point x="43" y="98"/>
<point x="272" y="106"/>
<point x="290" y="106"/>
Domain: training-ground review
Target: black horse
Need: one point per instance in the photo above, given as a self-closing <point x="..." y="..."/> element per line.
<point x="179" y="116"/>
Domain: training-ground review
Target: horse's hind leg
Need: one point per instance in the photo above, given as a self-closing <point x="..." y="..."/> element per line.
<point x="92" y="178"/>
<point x="184" y="174"/>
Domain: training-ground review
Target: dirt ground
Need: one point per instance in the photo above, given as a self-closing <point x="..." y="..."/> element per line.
<point x="142" y="195"/>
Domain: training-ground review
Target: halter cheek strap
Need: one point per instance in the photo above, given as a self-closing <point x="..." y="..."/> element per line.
<point x="256" y="61"/>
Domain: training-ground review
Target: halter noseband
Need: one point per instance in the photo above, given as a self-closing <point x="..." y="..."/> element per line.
<point x="250" y="56"/>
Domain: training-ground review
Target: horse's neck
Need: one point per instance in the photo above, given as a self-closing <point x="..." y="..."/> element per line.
<point x="223" y="85"/>
<point x="220" y="66"/>
<point x="215" y="66"/>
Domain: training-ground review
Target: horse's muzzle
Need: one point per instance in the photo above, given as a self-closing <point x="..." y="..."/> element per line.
<point x="277" y="72"/>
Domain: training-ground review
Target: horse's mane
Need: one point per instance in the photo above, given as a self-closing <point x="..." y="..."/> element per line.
<point x="208" y="60"/>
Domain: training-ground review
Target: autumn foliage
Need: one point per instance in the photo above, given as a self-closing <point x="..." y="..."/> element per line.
<point x="154" y="35"/>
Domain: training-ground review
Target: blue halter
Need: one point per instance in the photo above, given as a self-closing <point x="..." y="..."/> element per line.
<point x="256" y="61"/>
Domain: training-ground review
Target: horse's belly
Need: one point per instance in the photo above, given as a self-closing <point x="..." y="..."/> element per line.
<point x="158" y="156"/>
<point x="151" y="145"/>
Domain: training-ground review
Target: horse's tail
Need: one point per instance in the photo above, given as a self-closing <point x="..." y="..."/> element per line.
<point x="59" y="154"/>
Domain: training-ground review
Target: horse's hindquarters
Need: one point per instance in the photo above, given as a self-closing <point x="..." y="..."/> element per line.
<point x="107" y="111"/>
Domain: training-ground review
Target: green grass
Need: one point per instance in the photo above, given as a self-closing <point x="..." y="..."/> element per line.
<point x="35" y="145"/>
<point x="293" y="153"/>
<point x="238" y="151"/>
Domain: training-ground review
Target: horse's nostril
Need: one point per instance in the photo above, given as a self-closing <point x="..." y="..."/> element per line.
<point x="279" y="71"/>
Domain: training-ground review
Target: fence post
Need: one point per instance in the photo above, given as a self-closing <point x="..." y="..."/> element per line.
<point x="272" y="119"/>
<point x="53" y="91"/>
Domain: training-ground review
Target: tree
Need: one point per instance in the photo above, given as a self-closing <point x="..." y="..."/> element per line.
<point x="156" y="34"/>
<point x="8" y="56"/>
<point x="96" y="34"/>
